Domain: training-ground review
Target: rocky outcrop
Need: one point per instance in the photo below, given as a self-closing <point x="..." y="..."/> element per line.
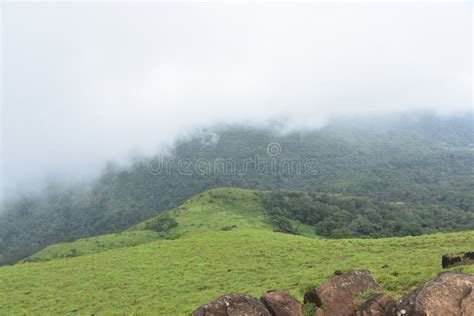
<point x="233" y="305"/>
<point x="376" y="305"/>
<point x="450" y="294"/>
<point x="338" y="295"/>
<point x="451" y="260"/>
<point x="282" y="304"/>
<point x="469" y="255"/>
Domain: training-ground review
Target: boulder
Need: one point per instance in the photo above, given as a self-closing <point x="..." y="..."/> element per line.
<point x="450" y="294"/>
<point x="282" y="304"/>
<point x="376" y="305"/>
<point x="233" y="305"/>
<point x="467" y="305"/>
<point x="448" y="261"/>
<point x="469" y="255"/>
<point x="337" y="296"/>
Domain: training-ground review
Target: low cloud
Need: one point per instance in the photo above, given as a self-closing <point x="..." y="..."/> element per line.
<point x="85" y="83"/>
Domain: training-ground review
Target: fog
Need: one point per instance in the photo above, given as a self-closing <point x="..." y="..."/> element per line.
<point x="84" y="83"/>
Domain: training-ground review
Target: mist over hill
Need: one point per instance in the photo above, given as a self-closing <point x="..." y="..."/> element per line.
<point x="161" y="156"/>
<point x="420" y="159"/>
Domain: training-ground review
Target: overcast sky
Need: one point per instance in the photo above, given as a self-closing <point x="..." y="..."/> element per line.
<point x="85" y="83"/>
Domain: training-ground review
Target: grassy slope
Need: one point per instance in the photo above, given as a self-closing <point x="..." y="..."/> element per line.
<point x="94" y="245"/>
<point x="212" y="210"/>
<point x="208" y="211"/>
<point x="105" y="275"/>
<point x="172" y="277"/>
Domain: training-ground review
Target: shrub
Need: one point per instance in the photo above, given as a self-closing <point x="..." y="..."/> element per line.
<point x="309" y="309"/>
<point x="284" y="225"/>
<point x="342" y="232"/>
<point x="363" y="296"/>
<point x="162" y="223"/>
<point x="227" y="228"/>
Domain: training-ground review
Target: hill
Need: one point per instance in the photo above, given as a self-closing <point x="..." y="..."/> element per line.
<point x="310" y="214"/>
<point x="220" y="241"/>
<point x="418" y="159"/>
<point x="215" y="210"/>
<point x="176" y="276"/>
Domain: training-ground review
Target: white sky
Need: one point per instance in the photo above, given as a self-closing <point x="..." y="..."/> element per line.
<point x="87" y="82"/>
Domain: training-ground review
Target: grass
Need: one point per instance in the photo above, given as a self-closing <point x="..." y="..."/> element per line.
<point x="223" y="243"/>
<point x="214" y="210"/>
<point x="221" y="208"/>
<point x="363" y="296"/>
<point x="176" y="276"/>
<point x="94" y="245"/>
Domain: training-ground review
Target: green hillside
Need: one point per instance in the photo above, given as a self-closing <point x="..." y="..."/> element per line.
<point x="309" y="214"/>
<point x="94" y="245"/>
<point x="224" y="242"/>
<point x="214" y="210"/>
<point x="173" y="277"/>
<point x="419" y="159"/>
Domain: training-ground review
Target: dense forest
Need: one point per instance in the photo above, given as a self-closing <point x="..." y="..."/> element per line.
<point x="342" y="216"/>
<point x="410" y="174"/>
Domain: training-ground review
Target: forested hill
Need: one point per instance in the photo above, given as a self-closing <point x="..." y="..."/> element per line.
<point x="420" y="159"/>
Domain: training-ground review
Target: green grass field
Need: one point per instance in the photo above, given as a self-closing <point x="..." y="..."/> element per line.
<point x="95" y="244"/>
<point x="175" y="276"/>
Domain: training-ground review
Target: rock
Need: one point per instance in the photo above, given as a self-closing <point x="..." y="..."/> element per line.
<point x="233" y="305"/>
<point x="469" y="255"/>
<point x="376" y="305"/>
<point x="282" y="304"/>
<point x="336" y="297"/>
<point x="449" y="261"/>
<point x="468" y="258"/>
<point x="467" y="305"/>
<point x="450" y="294"/>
